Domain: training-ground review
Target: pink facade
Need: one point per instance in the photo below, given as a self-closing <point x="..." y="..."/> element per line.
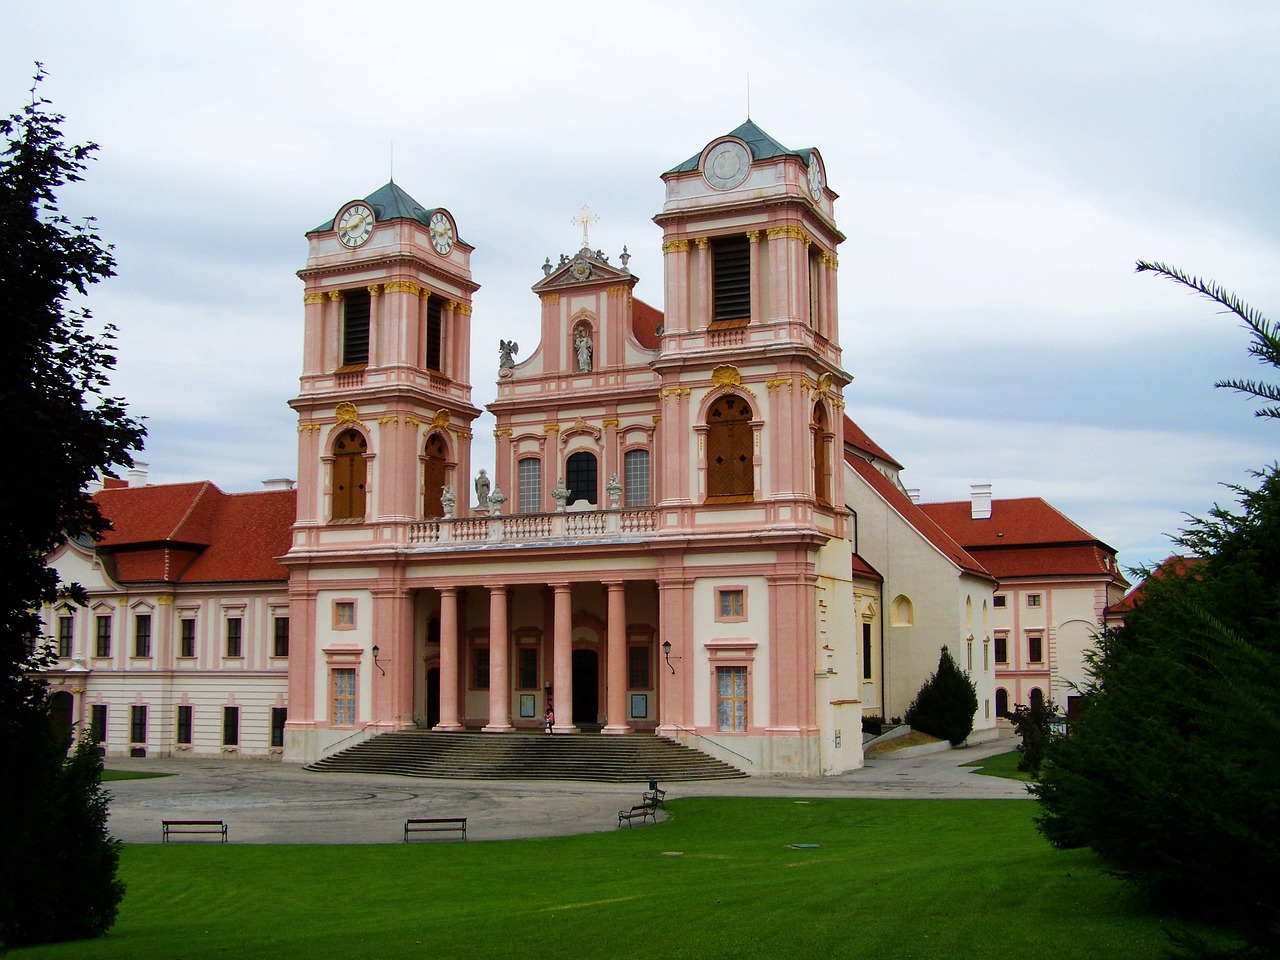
<point x="663" y="542"/>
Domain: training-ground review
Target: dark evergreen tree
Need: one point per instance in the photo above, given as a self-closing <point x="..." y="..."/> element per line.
<point x="1172" y="769"/>
<point x="1034" y="725"/>
<point x="946" y="704"/>
<point x="57" y="866"/>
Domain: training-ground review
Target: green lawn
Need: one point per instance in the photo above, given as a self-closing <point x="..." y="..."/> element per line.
<point x="130" y="775"/>
<point x="1002" y="765"/>
<point x="891" y="879"/>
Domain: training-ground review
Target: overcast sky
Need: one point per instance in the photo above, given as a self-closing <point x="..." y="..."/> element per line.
<point x="1000" y="166"/>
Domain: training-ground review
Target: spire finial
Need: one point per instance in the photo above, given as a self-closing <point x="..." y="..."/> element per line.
<point x="584" y="219"/>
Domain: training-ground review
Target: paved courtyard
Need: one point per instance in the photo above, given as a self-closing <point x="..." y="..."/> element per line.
<point x="269" y="802"/>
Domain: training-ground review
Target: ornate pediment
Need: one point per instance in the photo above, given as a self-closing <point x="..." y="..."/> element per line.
<point x="585" y="266"/>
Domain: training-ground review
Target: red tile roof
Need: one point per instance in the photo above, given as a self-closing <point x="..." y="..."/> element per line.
<point x="911" y="512"/>
<point x="1175" y="565"/>
<point x="865" y="570"/>
<point x="645" y="321"/>
<point x="193" y="532"/>
<point x="1025" y="537"/>
<point x="856" y="437"/>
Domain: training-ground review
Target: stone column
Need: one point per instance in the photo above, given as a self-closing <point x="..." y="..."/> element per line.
<point x="616" y="678"/>
<point x="448" y="660"/>
<point x="563" y="691"/>
<point x="499" y="653"/>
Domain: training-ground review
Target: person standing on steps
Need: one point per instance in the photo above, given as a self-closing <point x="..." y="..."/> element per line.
<point x="550" y="718"/>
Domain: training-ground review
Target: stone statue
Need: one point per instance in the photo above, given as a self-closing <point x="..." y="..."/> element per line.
<point x="482" y="490"/>
<point x="561" y="496"/>
<point x="614" y="486"/>
<point x="507" y="349"/>
<point x="496" y="500"/>
<point x="448" y="500"/>
<point x="582" y="344"/>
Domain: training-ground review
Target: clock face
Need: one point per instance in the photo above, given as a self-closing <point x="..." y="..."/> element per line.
<point x="355" y="224"/>
<point x="441" y="233"/>
<point x="815" y="177"/>
<point x="727" y="165"/>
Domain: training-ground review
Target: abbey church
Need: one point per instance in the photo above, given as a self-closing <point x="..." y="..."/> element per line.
<point x="683" y="531"/>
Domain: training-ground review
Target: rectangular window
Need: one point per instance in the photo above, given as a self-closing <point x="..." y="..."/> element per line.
<point x="278" y="716"/>
<point x="187" y="640"/>
<point x="355" y="327"/>
<point x="344" y="614"/>
<point x="280" y="643"/>
<point x="344" y="698"/>
<point x="98" y="723"/>
<point x="639" y="676"/>
<point x="102" y="641"/>
<point x="636" y="470"/>
<point x="731" y="604"/>
<point x="986" y="656"/>
<point x="184" y="723"/>
<point x="1033" y="599"/>
<point x="1002" y="648"/>
<point x="142" y="635"/>
<point x="1035" y="648"/>
<point x="731" y="278"/>
<point x="998" y="600"/>
<point x="230" y="726"/>
<point x="65" y="627"/>
<point x="480" y="668"/>
<point x="529" y="484"/>
<point x="528" y="668"/>
<point x="731" y="699"/>
<point x="866" y="651"/>
<point x="235" y="645"/>
<point x="138" y="723"/>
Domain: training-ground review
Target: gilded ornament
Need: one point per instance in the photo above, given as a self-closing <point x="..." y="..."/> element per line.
<point x="702" y="242"/>
<point x="335" y="296"/>
<point x="412" y="422"/>
<point x="609" y="422"/>
<point x="824" y="383"/>
<point x="346" y="412"/>
<point x="441" y="418"/>
<point x="403" y="286"/>
<point x="313" y="297"/>
<point x="753" y="236"/>
<point x="551" y="428"/>
<point x="462" y="434"/>
<point x="726" y="375"/>
<point x="375" y="289"/>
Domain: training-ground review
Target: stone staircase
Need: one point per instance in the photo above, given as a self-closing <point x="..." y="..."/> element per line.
<point x="527" y="756"/>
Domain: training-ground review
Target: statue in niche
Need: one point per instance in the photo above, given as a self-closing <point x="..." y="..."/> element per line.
<point x="582" y="345"/>
<point x="482" y="490"/>
<point x="507" y="349"/>
<point x="614" y="486"/>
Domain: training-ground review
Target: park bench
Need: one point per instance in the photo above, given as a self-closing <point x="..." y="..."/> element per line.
<point x="435" y="825"/>
<point x="641" y="812"/>
<point x="654" y="797"/>
<point x="172" y="827"/>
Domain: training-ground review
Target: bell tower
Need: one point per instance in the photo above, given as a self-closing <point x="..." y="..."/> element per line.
<point x="384" y="410"/>
<point x="750" y="359"/>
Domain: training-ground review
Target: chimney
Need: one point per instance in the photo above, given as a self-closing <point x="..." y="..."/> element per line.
<point x="280" y="483"/>
<point x="980" y="501"/>
<point x="914" y="494"/>
<point x="138" y="474"/>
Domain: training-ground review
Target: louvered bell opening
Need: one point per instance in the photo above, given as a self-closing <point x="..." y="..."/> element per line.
<point x="355" y="327"/>
<point x="435" y="329"/>
<point x="731" y="278"/>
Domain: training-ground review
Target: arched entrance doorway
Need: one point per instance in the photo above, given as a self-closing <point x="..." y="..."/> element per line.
<point x="60" y="710"/>
<point x="586" y="688"/>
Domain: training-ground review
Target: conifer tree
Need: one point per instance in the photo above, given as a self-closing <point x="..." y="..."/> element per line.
<point x="57" y="863"/>
<point x="1172" y="769"/>
<point x="946" y="704"/>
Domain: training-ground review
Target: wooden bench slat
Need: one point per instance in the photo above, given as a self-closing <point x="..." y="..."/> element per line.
<point x="435" y="825"/>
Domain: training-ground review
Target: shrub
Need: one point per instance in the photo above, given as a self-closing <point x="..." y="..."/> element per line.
<point x="946" y="704"/>
<point x="1033" y="725"/>
<point x="873" y="725"/>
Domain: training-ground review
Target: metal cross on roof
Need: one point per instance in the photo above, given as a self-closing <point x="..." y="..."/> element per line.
<point x="584" y="219"/>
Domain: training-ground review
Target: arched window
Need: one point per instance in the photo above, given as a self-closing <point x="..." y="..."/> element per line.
<point x="349" y="475"/>
<point x="730" y="471"/>
<point x="821" y="465"/>
<point x="1037" y="699"/>
<point x="636" y="471"/>
<point x="1002" y="702"/>
<point x="529" y="484"/>
<point x="433" y="476"/>
<point x="580" y="477"/>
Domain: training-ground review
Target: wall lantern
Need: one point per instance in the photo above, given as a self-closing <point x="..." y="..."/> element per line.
<point x="666" y="653"/>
